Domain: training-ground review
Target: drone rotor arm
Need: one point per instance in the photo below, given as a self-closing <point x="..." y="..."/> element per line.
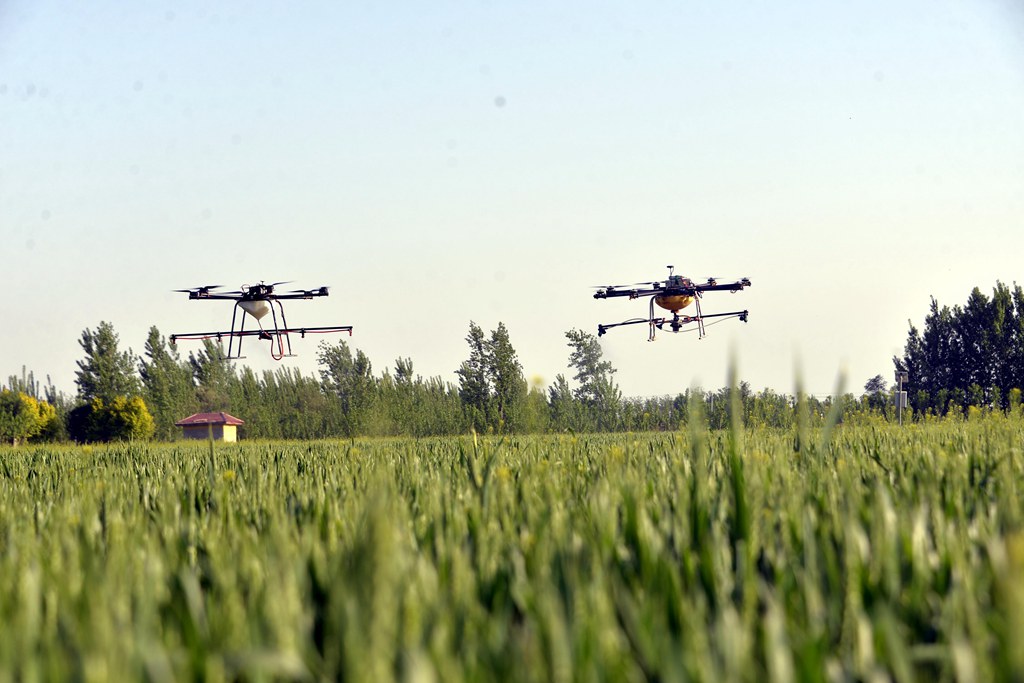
<point x="632" y="293"/>
<point x="219" y="296"/>
<point x="302" y="294"/>
<point x="724" y="286"/>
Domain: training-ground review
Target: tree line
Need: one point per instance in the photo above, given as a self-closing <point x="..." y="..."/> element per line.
<point x="121" y="396"/>
<point x="970" y="356"/>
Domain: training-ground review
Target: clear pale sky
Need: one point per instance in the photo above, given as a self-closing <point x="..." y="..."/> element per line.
<point x="442" y="162"/>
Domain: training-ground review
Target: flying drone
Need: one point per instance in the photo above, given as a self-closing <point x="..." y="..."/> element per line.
<point x="257" y="301"/>
<point x="673" y="294"/>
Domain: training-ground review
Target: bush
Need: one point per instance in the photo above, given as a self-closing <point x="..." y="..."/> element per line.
<point x="23" y="417"/>
<point x="123" y="419"/>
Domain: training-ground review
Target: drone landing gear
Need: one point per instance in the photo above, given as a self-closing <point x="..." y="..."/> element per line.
<point x="278" y="334"/>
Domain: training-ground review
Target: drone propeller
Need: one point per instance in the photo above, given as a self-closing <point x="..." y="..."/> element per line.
<point x="316" y="291"/>
<point x="203" y="288"/>
<point x="630" y="285"/>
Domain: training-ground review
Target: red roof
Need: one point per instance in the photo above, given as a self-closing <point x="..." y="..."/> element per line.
<point x="209" y="419"/>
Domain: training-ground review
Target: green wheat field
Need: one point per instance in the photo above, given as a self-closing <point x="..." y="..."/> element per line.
<point x="845" y="553"/>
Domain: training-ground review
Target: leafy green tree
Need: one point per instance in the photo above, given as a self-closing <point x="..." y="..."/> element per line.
<point x="1013" y="401"/>
<point x="1004" y="339"/>
<point x="105" y="372"/>
<point x="404" y="374"/>
<point x="215" y="377"/>
<point x="438" y="409"/>
<point x="112" y="407"/>
<point x="26" y="384"/>
<point x="875" y="392"/>
<point x="536" y="418"/>
<point x="975" y="353"/>
<point x="23" y="417"/>
<point x="254" y="399"/>
<point x="282" y="404"/>
<point x="933" y="358"/>
<point x="717" y="410"/>
<point x="51" y="404"/>
<point x="975" y="328"/>
<point x="1014" y="371"/>
<point x="400" y="400"/>
<point x="596" y="389"/>
<point x="592" y="373"/>
<point x="506" y="377"/>
<point x="771" y="409"/>
<point x="566" y="410"/>
<point x="474" y="379"/>
<point x="408" y="404"/>
<point x="313" y="412"/>
<point x="167" y="384"/>
<point x="122" y="418"/>
<point x="875" y="385"/>
<point x="350" y="378"/>
<point x="491" y="383"/>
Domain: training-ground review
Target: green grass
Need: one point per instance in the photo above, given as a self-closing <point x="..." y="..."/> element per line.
<point x="883" y="553"/>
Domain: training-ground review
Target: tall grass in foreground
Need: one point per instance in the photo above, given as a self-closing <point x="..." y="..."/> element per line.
<point x="754" y="555"/>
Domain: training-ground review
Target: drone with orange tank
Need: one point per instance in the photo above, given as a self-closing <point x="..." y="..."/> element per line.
<point x="257" y="301"/>
<point x="673" y="295"/>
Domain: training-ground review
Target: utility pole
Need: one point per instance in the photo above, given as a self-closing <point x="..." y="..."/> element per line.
<point x="901" y="396"/>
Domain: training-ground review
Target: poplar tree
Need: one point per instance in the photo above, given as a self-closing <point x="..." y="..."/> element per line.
<point x="474" y="382"/>
<point x="214" y="377"/>
<point x="597" y="390"/>
<point x="167" y="384"/>
<point x="506" y="378"/>
<point x="350" y="378"/>
<point x="491" y="382"/>
<point x="105" y="372"/>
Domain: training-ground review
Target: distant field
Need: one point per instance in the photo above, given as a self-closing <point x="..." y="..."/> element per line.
<point x="752" y="555"/>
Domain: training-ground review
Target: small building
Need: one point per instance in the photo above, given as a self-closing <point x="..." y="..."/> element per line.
<point x="222" y="426"/>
